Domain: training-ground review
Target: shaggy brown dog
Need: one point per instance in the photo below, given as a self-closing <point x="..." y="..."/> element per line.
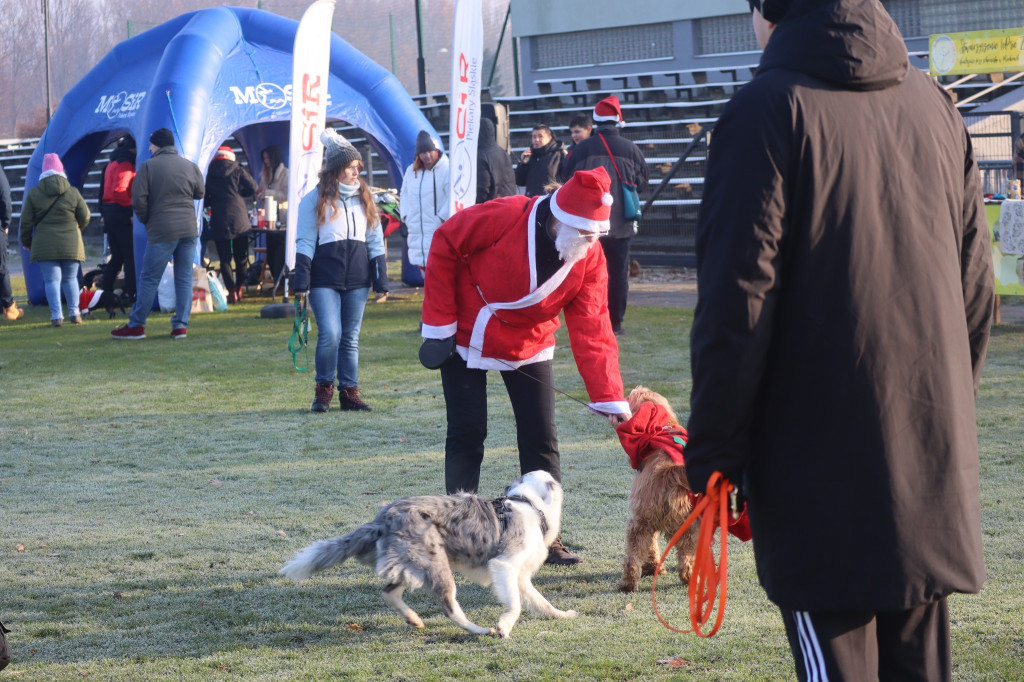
<point x="661" y="498"/>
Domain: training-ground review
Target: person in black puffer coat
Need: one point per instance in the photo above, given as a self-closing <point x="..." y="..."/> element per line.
<point x="494" y="175"/>
<point x="226" y="183"/>
<point x="541" y="163"/>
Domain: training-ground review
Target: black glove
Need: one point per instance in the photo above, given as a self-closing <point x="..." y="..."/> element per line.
<point x="379" y="275"/>
<point x="436" y="352"/>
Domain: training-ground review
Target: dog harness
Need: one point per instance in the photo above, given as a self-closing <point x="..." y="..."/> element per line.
<point x="504" y="513"/>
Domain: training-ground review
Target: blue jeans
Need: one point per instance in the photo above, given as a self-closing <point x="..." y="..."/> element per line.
<point x="339" y="316"/>
<point x="153" y="263"/>
<point x="60" y="275"/>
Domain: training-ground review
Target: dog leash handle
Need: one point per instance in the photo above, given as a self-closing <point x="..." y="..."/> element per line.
<point x="712" y="510"/>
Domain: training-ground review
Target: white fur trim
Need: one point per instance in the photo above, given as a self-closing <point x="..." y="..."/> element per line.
<point x="580" y="223"/>
<point x="502" y="365"/>
<point x="619" y="123"/>
<point x="442" y="332"/>
<point x="46" y="174"/>
<point x="616" y="407"/>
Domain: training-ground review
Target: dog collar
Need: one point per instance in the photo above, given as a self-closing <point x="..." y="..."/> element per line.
<point x="543" y="519"/>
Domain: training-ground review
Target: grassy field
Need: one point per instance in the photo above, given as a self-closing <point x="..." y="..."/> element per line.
<point x="150" y="491"/>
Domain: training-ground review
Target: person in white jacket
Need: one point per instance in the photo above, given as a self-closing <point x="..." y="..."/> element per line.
<point x="424" y="196"/>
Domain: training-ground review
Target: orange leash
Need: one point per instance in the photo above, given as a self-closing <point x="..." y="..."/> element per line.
<point x="712" y="509"/>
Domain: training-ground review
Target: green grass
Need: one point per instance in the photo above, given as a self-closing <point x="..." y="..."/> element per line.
<point x="158" y="486"/>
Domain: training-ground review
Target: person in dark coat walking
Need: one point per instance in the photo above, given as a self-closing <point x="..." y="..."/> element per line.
<point x="845" y="296"/>
<point x="630" y="166"/>
<point x="116" y="209"/>
<point x="541" y="164"/>
<point x="494" y="175"/>
<point x="227" y="182"/>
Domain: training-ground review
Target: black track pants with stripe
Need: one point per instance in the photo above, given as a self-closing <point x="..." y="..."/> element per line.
<point x="866" y="646"/>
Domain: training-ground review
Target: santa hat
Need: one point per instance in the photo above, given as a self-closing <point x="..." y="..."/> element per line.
<point x="608" y="109"/>
<point x="584" y="202"/>
<point x="224" y="152"/>
<point x="88" y="299"/>
<point x="52" y="165"/>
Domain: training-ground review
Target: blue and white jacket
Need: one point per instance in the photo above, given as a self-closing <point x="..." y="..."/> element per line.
<point x="343" y="253"/>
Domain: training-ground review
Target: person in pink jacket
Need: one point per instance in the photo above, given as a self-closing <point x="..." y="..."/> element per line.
<point x="500" y="273"/>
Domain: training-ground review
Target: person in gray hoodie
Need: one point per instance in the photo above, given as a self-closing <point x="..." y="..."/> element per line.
<point x="163" y="198"/>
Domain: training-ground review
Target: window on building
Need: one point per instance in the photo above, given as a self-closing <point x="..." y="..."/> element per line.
<point x="603" y="46"/>
<point x="721" y="35"/>
<point x="918" y="18"/>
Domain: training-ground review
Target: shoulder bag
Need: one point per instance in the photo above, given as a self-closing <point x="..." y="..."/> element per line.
<point x="630" y="197"/>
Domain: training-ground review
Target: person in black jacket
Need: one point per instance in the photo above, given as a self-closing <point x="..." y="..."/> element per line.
<point x="494" y="175"/>
<point x="8" y="308"/>
<point x="226" y="183"/>
<point x="845" y="295"/>
<point x="624" y="162"/>
<point x="541" y="164"/>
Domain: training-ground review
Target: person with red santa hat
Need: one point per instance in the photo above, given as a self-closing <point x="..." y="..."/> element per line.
<point x="625" y="165"/>
<point x="500" y="274"/>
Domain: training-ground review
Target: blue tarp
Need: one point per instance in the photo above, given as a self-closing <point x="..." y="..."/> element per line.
<point x="207" y="76"/>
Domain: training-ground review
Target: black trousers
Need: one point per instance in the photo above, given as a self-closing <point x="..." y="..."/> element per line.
<point x="888" y="645"/>
<point x="117" y="223"/>
<point x="6" y="294"/>
<point x="616" y="252"/>
<point x="532" y="395"/>
<point x="236" y="249"/>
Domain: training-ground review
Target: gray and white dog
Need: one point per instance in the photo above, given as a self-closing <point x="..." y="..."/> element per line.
<point x="418" y="541"/>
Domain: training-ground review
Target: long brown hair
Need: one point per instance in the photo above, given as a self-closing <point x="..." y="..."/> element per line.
<point x="328" y="194"/>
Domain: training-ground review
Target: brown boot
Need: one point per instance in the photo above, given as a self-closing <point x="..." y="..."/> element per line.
<point x="14" y="312"/>
<point x="322" y="397"/>
<point x="558" y="555"/>
<point x="231" y="296"/>
<point x="348" y="396"/>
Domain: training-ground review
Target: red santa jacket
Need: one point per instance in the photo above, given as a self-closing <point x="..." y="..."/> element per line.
<point x="482" y="287"/>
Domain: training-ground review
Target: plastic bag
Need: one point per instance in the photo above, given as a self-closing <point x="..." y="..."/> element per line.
<point x="165" y="290"/>
<point x="218" y="291"/>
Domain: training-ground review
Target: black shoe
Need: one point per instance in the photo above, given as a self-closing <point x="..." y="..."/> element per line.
<point x="558" y="555"/>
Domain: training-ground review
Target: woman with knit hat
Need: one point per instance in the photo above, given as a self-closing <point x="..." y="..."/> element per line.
<point x="52" y="221"/>
<point x="339" y="253"/>
<point x="226" y="185"/>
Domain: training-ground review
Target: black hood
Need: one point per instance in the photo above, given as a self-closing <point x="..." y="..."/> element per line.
<point x="220" y="168"/>
<point x="488" y="136"/>
<point x="854" y="44"/>
<point x="123" y="152"/>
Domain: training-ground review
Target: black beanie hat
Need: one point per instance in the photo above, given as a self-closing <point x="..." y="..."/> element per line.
<point x="425" y="143"/>
<point x="772" y="10"/>
<point x="162" y="138"/>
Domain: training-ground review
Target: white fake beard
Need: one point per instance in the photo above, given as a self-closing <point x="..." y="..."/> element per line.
<point x="572" y="246"/>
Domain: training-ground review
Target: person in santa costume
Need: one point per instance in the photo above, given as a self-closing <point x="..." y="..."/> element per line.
<point x="500" y="273"/>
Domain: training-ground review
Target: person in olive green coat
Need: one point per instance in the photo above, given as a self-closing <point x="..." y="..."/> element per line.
<point x="52" y="221"/>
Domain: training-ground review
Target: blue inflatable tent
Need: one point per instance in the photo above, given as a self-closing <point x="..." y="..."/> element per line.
<point x="207" y="76"/>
